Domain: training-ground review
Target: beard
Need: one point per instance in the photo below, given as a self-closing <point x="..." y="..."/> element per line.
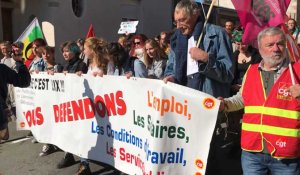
<point x="274" y="60"/>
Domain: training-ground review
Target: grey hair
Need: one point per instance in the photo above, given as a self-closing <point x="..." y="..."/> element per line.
<point x="189" y="6"/>
<point x="270" y="31"/>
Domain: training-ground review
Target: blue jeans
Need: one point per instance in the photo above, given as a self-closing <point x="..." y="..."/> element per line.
<point x="261" y="164"/>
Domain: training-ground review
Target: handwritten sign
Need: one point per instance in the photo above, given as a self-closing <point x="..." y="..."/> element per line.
<point x="128" y="27"/>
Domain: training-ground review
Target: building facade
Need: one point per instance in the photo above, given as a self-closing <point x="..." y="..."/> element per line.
<point x="72" y="18"/>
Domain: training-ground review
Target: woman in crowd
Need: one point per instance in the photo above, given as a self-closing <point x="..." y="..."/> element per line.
<point x="117" y="59"/>
<point x="80" y="44"/>
<point x="71" y="52"/>
<point x="47" y="53"/>
<point x="95" y="50"/>
<point x="164" y="41"/>
<point x="137" y="56"/>
<point x="244" y="56"/>
<point x="51" y="67"/>
<point x="122" y="40"/>
<point x="37" y="63"/>
<point x="156" y="59"/>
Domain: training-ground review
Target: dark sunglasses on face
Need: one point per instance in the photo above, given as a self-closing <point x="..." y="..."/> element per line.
<point x="137" y="43"/>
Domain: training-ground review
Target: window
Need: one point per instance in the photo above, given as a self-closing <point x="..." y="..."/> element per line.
<point x="77" y="6"/>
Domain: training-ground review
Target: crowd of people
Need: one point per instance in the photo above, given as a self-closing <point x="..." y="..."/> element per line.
<point x="252" y="118"/>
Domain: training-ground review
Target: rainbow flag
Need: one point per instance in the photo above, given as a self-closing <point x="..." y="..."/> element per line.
<point x="32" y="32"/>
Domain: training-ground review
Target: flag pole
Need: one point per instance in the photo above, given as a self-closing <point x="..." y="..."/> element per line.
<point x="290" y="65"/>
<point x="206" y="19"/>
<point x="292" y="73"/>
<point x="290" y="53"/>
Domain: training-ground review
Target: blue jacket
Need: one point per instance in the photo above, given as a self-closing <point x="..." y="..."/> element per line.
<point x="140" y="69"/>
<point x="170" y="67"/>
<point x="38" y="64"/>
<point x="215" y="76"/>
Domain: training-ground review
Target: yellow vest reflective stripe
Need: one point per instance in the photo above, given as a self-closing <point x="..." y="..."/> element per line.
<point x="271" y="130"/>
<point x="272" y="111"/>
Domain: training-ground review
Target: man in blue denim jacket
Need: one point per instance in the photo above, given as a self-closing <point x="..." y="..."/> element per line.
<point x="212" y="73"/>
<point x="214" y="56"/>
<point x="170" y="67"/>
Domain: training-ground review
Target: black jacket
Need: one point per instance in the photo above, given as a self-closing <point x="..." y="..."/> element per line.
<point x="21" y="78"/>
<point x="76" y="65"/>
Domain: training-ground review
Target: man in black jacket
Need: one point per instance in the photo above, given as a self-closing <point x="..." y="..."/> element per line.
<point x="21" y="78"/>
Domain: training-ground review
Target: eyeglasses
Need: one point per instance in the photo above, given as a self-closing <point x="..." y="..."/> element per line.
<point x="180" y="21"/>
<point x="137" y="43"/>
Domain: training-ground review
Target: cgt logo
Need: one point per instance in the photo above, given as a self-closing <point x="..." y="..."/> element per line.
<point x="209" y="103"/>
<point x="22" y="124"/>
<point x="281" y="144"/>
<point x="199" y="163"/>
<point x="283" y="92"/>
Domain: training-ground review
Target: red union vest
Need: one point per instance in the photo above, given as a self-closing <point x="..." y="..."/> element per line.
<point x="275" y="118"/>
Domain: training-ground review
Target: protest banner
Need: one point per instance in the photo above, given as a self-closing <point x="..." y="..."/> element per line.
<point x="128" y="27"/>
<point x="139" y="126"/>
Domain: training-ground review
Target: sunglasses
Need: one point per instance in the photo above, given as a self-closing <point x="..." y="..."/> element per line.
<point x="137" y="43"/>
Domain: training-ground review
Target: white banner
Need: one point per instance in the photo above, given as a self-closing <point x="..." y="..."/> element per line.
<point x="139" y="126"/>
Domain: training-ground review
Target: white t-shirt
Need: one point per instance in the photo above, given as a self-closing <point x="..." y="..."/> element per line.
<point x="93" y="70"/>
<point x="10" y="62"/>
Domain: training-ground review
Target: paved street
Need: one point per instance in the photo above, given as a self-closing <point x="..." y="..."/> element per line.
<point x="19" y="156"/>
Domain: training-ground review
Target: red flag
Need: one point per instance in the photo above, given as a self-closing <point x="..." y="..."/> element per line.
<point x="90" y="32"/>
<point x="293" y="49"/>
<point x="255" y="15"/>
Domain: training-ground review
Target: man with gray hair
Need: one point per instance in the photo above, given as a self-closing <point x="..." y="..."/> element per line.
<point x="270" y="130"/>
<point x="207" y="68"/>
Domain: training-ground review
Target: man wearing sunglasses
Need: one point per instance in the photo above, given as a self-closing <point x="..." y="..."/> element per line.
<point x="207" y="68"/>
